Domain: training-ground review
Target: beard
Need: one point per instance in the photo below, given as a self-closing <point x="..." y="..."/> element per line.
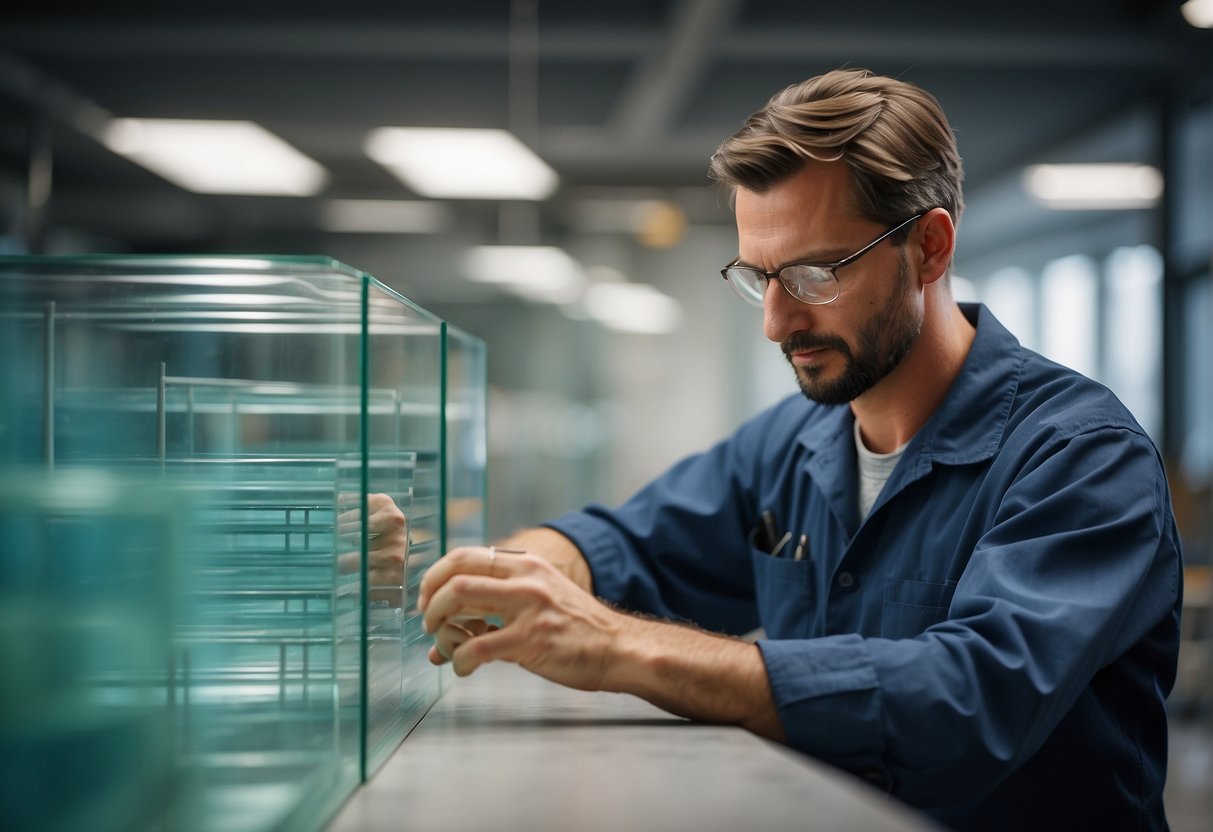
<point x="881" y="345"/>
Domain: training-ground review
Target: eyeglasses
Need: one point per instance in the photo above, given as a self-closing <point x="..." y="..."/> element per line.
<point x="814" y="283"/>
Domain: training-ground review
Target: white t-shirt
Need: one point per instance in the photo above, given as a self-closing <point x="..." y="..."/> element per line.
<point x="874" y="470"/>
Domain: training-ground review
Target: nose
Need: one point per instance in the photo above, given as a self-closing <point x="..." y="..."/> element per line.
<point x="782" y="314"/>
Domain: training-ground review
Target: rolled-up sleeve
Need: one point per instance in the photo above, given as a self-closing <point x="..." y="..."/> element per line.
<point x="675" y="548"/>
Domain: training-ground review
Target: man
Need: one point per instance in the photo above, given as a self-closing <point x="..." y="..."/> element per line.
<point x="963" y="556"/>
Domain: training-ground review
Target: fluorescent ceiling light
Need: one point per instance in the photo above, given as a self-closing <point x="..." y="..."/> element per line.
<point x="539" y="273"/>
<point x="633" y="307"/>
<point x="1094" y="186"/>
<point x="1199" y="13"/>
<point x="462" y="163"/>
<point x="216" y="157"/>
<point x="384" y="216"/>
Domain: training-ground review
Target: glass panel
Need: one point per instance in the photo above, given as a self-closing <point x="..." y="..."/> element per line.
<point x="86" y="598"/>
<point x="404" y="365"/>
<point x="466" y="420"/>
<point x="234" y="383"/>
<point x="237" y="412"/>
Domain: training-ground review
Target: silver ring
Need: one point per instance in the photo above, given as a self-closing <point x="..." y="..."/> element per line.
<point x="492" y="559"/>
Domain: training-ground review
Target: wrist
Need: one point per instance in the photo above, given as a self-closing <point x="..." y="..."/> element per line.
<point x="692" y="673"/>
<point x="631" y="660"/>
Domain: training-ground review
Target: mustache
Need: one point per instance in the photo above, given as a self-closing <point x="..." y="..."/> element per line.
<point x="804" y="341"/>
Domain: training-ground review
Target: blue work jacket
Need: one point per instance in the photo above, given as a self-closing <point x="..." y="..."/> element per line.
<point x="993" y="644"/>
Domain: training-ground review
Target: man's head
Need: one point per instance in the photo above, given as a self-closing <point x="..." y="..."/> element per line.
<point x="892" y="135"/>
<point x="857" y="171"/>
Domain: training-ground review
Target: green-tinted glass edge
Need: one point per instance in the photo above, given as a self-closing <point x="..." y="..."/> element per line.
<point x="364" y="520"/>
<point x="311" y="261"/>
<point x="444" y="492"/>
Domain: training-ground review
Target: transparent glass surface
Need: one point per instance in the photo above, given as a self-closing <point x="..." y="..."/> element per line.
<point x="404" y="356"/>
<point x="87" y="597"/>
<point x="466" y="419"/>
<point x="280" y="411"/>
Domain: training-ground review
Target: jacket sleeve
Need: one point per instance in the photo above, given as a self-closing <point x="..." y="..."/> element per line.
<point x="1079" y="563"/>
<point x="677" y="548"/>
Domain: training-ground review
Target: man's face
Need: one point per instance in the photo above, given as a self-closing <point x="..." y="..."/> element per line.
<point x="839" y="350"/>
<point x="880" y="344"/>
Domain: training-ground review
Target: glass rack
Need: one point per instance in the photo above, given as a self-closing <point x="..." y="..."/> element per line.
<point x="222" y="481"/>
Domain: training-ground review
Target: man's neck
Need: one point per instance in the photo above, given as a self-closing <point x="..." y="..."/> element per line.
<point x="893" y="411"/>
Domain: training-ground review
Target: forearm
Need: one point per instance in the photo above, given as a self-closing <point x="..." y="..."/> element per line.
<point x="557" y="549"/>
<point x="695" y="674"/>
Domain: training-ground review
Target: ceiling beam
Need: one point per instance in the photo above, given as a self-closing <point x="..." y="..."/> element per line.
<point x="665" y="80"/>
<point x="26" y="83"/>
<point x="976" y="47"/>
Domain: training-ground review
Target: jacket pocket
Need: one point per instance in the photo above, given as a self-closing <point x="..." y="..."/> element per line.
<point x="912" y="606"/>
<point x="784" y="589"/>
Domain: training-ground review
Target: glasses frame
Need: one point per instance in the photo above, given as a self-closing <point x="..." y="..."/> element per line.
<point x="832" y="268"/>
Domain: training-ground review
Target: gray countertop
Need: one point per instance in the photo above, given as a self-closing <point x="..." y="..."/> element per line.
<point x="506" y="750"/>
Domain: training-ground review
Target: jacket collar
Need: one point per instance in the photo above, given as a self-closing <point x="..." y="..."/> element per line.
<point x="969" y="424"/>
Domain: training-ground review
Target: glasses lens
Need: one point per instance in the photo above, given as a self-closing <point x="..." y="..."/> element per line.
<point x="809" y="283"/>
<point x="747" y="283"/>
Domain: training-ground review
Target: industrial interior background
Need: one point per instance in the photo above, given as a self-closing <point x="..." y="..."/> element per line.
<point x="625" y="101"/>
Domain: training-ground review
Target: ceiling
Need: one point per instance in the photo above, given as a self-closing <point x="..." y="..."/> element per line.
<point x="620" y="97"/>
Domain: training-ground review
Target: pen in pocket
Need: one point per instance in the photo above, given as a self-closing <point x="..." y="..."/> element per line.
<point x="782" y="542"/>
<point x="768" y="527"/>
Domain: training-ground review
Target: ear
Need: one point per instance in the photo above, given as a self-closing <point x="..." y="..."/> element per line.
<point x="937" y="234"/>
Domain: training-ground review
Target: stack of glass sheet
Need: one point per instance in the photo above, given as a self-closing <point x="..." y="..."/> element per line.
<point x="208" y="607"/>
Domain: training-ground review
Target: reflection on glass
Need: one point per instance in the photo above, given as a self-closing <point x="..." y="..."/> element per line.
<point x="464" y="406"/>
<point x="87" y="594"/>
<point x="244" y="599"/>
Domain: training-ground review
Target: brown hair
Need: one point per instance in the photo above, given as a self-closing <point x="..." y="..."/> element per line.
<point x="892" y="134"/>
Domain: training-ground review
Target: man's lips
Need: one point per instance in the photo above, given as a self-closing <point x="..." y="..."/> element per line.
<point x="803" y="357"/>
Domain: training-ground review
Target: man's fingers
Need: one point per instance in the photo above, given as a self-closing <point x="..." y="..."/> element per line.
<point x="469" y="596"/>
<point x="488" y="561"/>
<point x="385" y="570"/>
<point x="494" y="645"/>
<point x="449" y="637"/>
<point x="475" y="626"/>
<point x="383" y="516"/>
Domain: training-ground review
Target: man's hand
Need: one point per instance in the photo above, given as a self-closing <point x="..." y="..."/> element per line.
<point x="387" y="544"/>
<point x="550" y="625"/>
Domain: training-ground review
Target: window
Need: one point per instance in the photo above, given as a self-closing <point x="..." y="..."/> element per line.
<point x="1070" y="297"/>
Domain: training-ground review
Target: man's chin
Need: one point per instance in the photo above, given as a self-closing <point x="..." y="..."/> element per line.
<point x="816" y="387"/>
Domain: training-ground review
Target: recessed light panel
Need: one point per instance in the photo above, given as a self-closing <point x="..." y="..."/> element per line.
<point x="216" y="157"/>
<point x="453" y="163"/>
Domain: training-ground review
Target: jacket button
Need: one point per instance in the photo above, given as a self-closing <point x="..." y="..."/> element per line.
<point x="846" y="580"/>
